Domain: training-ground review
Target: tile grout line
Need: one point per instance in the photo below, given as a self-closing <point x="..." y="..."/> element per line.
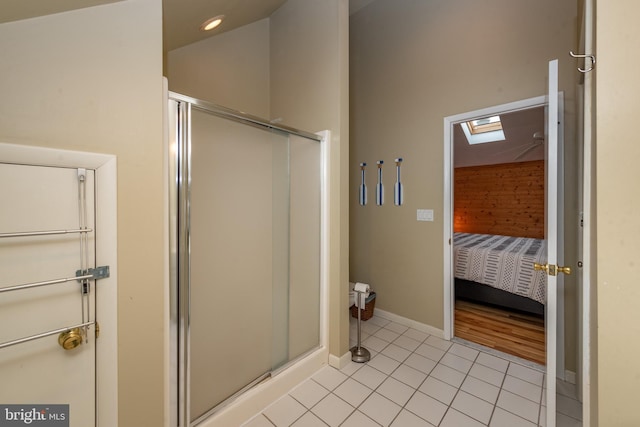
<point x="421" y="342"/>
<point x="421" y="383"/>
<point x="427" y="375"/>
<point x="416" y="390"/>
<point x="495" y="405"/>
<point x="390" y="375"/>
<point x="465" y="377"/>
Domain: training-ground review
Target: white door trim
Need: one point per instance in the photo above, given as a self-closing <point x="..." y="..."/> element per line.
<point x="448" y="208"/>
<point x="106" y="254"/>
<point x="448" y="193"/>
<point x="552" y="229"/>
<point x="587" y="287"/>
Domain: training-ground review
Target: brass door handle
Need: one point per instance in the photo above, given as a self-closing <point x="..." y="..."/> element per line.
<point x="565" y="270"/>
<point x="70" y="339"/>
<point x="551" y="270"/>
<point x="541" y="267"/>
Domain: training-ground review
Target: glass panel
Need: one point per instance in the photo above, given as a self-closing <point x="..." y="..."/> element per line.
<point x="304" y="290"/>
<point x="253" y="256"/>
<point x="280" y="252"/>
<point x="239" y="257"/>
<point x="487" y="124"/>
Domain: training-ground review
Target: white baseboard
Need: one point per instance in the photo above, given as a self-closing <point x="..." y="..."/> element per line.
<point x="340" y="362"/>
<point x="410" y="323"/>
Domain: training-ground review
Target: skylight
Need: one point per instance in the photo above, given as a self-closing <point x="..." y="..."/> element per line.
<point x="483" y="130"/>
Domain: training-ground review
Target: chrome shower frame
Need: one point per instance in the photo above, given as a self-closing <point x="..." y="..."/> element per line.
<point x="179" y="131"/>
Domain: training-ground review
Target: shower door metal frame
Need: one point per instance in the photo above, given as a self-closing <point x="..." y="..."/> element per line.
<point x="181" y="106"/>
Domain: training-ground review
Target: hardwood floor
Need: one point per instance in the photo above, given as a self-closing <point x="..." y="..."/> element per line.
<point x="515" y="333"/>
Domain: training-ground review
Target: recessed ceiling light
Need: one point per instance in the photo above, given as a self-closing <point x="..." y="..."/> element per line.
<point x="212" y="23"/>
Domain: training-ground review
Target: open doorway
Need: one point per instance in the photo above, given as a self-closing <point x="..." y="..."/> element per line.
<point x="498" y="222"/>
<point x="496" y="196"/>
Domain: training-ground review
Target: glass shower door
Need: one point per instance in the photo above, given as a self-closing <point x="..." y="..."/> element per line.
<point x="245" y="214"/>
<point x="239" y="257"/>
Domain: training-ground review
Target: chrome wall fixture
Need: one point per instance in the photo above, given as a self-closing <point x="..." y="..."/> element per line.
<point x="592" y="58"/>
<point x="398" y="189"/>
<point x="380" y="185"/>
<point x="362" y="194"/>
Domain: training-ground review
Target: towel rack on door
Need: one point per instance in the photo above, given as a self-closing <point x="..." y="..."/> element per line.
<point x="92" y="274"/>
<point x="44" y="334"/>
<point x="45" y="233"/>
<point x="71" y="336"/>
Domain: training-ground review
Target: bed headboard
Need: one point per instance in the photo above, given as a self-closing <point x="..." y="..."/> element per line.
<point x="506" y="199"/>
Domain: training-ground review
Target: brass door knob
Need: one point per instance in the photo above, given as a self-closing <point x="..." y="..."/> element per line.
<point x="541" y="267"/>
<point x="565" y="270"/>
<point x="551" y="270"/>
<point x="70" y="339"/>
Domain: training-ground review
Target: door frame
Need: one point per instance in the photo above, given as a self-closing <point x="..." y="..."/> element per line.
<point x="586" y="280"/>
<point x="449" y="294"/>
<point x="105" y="169"/>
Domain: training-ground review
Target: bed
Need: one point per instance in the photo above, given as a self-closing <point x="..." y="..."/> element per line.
<point x="499" y="270"/>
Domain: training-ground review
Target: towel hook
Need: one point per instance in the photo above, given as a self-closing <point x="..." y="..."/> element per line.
<point x="591" y="57"/>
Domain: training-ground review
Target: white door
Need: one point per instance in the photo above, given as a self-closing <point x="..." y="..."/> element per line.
<point x="553" y="235"/>
<point x="38" y="373"/>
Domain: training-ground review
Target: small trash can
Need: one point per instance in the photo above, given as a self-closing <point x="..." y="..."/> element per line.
<point x="369" y="305"/>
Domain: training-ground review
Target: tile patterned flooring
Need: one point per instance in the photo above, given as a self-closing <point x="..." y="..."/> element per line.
<point x="415" y="379"/>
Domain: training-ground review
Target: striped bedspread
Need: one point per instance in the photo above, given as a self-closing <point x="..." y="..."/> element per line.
<point x="503" y="262"/>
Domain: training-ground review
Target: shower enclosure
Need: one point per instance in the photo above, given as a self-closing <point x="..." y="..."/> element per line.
<point x="245" y="236"/>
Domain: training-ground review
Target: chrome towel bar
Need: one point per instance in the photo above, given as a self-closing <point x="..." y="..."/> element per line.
<point x="45" y="233"/>
<point x="44" y="283"/>
<point x="92" y="274"/>
<point x="44" y="334"/>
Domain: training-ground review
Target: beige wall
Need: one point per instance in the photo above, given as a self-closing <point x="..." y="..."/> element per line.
<point x="618" y="210"/>
<point x="412" y="64"/>
<point x="91" y="80"/>
<point x="231" y="69"/>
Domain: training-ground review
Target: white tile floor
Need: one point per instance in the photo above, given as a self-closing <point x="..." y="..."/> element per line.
<point x="414" y="379"/>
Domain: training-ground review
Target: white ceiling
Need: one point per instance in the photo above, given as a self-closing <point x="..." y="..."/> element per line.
<point x="15" y="10"/>
<point x="182" y="24"/>
<point x="518" y="127"/>
<point x="181" y="19"/>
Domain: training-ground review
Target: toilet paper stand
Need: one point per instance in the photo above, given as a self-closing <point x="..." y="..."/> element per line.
<point x="360" y="354"/>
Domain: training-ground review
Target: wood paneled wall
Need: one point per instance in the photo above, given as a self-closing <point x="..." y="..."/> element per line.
<point x="505" y="199"/>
